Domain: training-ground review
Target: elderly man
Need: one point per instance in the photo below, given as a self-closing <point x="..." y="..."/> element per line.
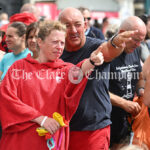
<point x="90" y="126"/>
<point x="126" y="71"/>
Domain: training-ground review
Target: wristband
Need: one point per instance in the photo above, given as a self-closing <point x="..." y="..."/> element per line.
<point x="111" y="41"/>
<point x="92" y="62"/>
<point x="43" y="121"/>
<point x="138" y="92"/>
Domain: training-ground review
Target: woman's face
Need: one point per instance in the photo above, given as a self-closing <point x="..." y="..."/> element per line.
<point x="53" y="45"/>
<point x="13" y="40"/>
<point x="32" y="40"/>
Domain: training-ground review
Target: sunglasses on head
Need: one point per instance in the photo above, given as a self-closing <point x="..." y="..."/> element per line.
<point x="88" y="18"/>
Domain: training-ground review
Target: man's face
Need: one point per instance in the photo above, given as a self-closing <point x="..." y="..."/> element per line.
<point x="75" y="37"/>
<point x="53" y="45"/>
<point x="87" y="18"/>
<point x="135" y="42"/>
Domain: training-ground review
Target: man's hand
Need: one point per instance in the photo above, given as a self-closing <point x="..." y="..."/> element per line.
<point x="129" y="106"/>
<point x="97" y="57"/>
<point x="132" y="107"/>
<point x="111" y="51"/>
<point x="122" y="38"/>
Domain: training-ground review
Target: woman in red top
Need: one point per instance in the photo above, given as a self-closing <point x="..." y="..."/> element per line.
<point x="35" y="88"/>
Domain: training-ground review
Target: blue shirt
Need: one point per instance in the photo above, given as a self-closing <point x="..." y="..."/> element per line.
<point x="95" y="107"/>
<point x="10" y="58"/>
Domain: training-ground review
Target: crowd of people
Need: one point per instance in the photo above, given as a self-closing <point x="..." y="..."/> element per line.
<point x="87" y="74"/>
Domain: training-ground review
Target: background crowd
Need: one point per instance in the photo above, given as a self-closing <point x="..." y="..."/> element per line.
<point x="101" y="110"/>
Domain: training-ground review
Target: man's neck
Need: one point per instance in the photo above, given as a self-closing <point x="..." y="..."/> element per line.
<point x="73" y="49"/>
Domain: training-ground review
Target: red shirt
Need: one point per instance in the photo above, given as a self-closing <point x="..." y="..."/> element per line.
<point x="29" y="90"/>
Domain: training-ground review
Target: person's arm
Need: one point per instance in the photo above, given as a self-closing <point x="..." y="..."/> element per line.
<point x="108" y="50"/>
<point x="146" y="77"/>
<point x="129" y="106"/>
<point x="146" y="68"/>
<point x="115" y="46"/>
<point x="48" y="123"/>
<point x="117" y="100"/>
<point x="95" y="59"/>
<point x="146" y="96"/>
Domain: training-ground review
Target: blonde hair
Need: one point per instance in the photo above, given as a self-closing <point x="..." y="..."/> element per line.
<point x="46" y="27"/>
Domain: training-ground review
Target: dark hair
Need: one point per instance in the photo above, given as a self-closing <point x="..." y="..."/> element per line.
<point x="32" y="27"/>
<point x="105" y="19"/>
<point x="145" y="18"/>
<point x="111" y="30"/>
<point x="20" y="26"/>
